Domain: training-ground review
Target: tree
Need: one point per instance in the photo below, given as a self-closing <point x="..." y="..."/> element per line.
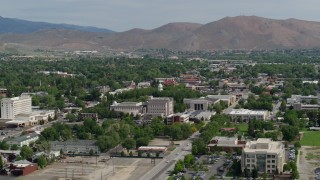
<point x="4" y="145"/>
<point x="131" y="154"/>
<point x="91" y="152"/>
<point x="297" y="145"/>
<point x="1" y="162"/>
<point x="289" y="132"/>
<point x="246" y="172"/>
<point x="189" y="160"/>
<point x="14" y="147"/>
<point x="26" y="152"/>
<point x="199" y="147"/>
<point x="142" y="141"/>
<point x="42" y="161"/>
<point x="123" y="153"/>
<point x="178" y="167"/>
<point x="129" y="143"/>
<point x="254" y="172"/>
<point x="71" y="117"/>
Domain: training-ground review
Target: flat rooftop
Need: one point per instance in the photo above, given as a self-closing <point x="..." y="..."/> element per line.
<point x="247" y="112"/>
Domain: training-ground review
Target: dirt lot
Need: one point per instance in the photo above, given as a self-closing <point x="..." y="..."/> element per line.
<point x="112" y="169"/>
<point x="309" y="160"/>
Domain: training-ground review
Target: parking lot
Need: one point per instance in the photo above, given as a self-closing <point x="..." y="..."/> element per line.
<point x="217" y="165"/>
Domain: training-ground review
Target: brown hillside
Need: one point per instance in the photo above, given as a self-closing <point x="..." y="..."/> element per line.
<point x="242" y="32"/>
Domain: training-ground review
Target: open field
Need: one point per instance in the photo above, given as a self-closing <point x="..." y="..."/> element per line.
<point x="112" y="169"/>
<point x="310" y="138"/>
<point x="308" y="161"/>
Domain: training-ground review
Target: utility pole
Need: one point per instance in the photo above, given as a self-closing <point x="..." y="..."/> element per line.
<point x="82" y="164"/>
<point x="112" y="167"/>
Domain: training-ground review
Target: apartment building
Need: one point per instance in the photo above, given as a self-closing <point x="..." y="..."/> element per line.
<point x="160" y="106"/>
<point x="10" y="107"/>
<point x="75" y="146"/>
<point x="265" y="155"/>
<point x="24" y="140"/>
<point x="246" y="114"/>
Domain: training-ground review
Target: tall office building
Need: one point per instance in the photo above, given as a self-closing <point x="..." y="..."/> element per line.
<point x="265" y="155"/>
<point x="10" y="107"/>
<point x="160" y="106"/>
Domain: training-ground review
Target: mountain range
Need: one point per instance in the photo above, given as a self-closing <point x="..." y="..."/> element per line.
<point x="241" y="32"/>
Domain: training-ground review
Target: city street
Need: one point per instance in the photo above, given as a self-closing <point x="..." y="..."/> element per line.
<point x="160" y="171"/>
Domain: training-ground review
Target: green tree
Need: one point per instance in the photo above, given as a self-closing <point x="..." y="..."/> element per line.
<point x="178" y="166"/>
<point x="42" y="161"/>
<point x="71" y="117"/>
<point x="26" y="152"/>
<point x="289" y="132"/>
<point x="254" y="173"/>
<point x="297" y="145"/>
<point x="1" y="162"/>
<point x="14" y="147"/>
<point x="129" y="143"/>
<point x="4" y="145"/>
<point x="91" y="152"/>
<point x="189" y="160"/>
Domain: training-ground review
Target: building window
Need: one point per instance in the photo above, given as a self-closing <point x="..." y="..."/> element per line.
<point x="273" y="161"/>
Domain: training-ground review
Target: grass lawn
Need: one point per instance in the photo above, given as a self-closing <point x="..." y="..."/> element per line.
<point x="243" y="128"/>
<point x="310" y="138"/>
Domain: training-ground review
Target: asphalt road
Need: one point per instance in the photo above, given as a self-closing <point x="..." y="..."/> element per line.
<point x="160" y="171"/>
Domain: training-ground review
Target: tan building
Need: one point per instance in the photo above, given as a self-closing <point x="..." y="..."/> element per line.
<point x="160" y="106"/>
<point x="228" y="99"/>
<point x="264" y="154"/>
<point x="197" y="104"/>
<point x="228" y="144"/>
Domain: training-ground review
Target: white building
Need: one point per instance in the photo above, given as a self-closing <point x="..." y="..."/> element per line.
<point x="264" y="154"/>
<point x="246" y="114"/>
<point x="143" y="85"/>
<point x="31" y="119"/>
<point x="204" y="103"/>
<point x="160" y="106"/>
<point x="10" y="107"/>
<point x="24" y="140"/>
<point x="128" y="107"/>
<point x="301" y="99"/>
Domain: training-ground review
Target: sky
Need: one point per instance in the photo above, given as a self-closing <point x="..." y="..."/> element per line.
<point x="122" y="15"/>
